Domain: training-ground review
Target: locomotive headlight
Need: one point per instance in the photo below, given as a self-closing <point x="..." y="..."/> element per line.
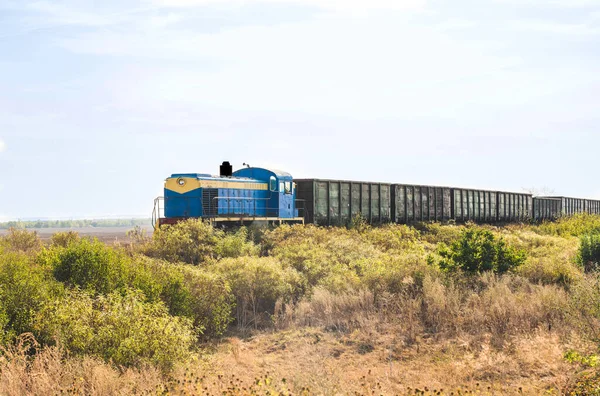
<point x="181" y="182"/>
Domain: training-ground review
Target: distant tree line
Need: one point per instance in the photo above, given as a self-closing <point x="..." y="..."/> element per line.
<point x="74" y="223"/>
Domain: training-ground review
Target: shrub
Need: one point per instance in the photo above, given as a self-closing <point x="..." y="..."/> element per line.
<point x="204" y="297"/>
<point x="324" y="257"/>
<point x="192" y="241"/>
<point x="100" y="269"/>
<point x="479" y="250"/>
<point x="211" y="301"/>
<point x="438" y="233"/>
<point x="585" y="306"/>
<point x="91" y="265"/>
<point x="24" y="289"/>
<point x="122" y="329"/>
<point x="576" y="225"/>
<point x="236" y="245"/>
<point x="550" y="259"/>
<point x="21" y="240"/>
<point x="257" y="283"/>
<point x="395" y="273"/>
<point x="137" y="235"/>
<point x="551" y="269"/>
<point x="65" y="238"/>
<point x="392" y="237"/>
<point x="589" y="252"/>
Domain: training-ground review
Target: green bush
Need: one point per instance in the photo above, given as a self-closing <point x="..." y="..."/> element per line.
<point x="100" y="269"/>
<point x="325" y="257"/>
<point x="396" y="273"/>
<point x="21" y="240"/>
<point x="204" y="297"/>
<point x="91" y="265"/>
<point x="6" y="334"/>
<point x="589" y="252"/>
<point x="550" y="259"/>
<point x="438" y="233"/>
<point x="392" y="237"/>
<point x="236" y="245"/>
<point x="257" y="284"/>
<point x="24" y="289"/>
<point x="122" y="329"/>
<point x="192" y="241"/>
<point x="576" y="225"/>
<point x="95" y="267"/>
<point x="477" y="251"/>
<point x="65" y="238"/>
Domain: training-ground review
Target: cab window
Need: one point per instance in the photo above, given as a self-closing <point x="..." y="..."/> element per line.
<point x="272" y="184"/>
<point x="288" y="187"/>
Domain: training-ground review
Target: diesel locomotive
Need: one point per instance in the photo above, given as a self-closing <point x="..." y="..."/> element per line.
<point x="246" y="195"/>
<point x="272" y="196"/>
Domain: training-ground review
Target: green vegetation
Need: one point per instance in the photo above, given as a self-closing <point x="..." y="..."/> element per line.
<point x="73" y="223"/>
<point x="161" y="301"/>
<point x="589" y="252"/>
<point x="195" y="242"/>
<point x="577" y="225"/>
<point x="479" y="251"/>
<point x="122" y="328"/>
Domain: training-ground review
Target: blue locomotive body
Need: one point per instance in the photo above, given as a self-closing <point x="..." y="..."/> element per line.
<point x="247" y="194"/>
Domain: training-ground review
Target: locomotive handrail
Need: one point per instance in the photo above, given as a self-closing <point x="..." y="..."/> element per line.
<point x="156" y="211"/>
<point x="240" y="198"/>
<point x="158" y="208"/>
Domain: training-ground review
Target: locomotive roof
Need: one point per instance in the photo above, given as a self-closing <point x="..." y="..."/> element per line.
<point x="202" y="176"/>
<point x="280" y="173"/>
<point x="260" y="171"/>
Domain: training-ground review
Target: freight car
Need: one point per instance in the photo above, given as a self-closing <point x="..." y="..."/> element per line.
<point x="335" y="202"/>
<point x="247" y="195"/>
<point x="252" y="194"/>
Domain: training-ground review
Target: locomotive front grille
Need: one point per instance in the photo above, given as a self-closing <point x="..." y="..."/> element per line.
<point x="209" y="203"/>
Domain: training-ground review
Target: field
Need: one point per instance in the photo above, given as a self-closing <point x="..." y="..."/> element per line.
<point x="430" y="309"/>
<point x="104" y="234"/>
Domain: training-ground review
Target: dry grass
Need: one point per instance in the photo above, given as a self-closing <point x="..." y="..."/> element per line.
<point x="365" y="312"/>
<point x="381" y="363"/>
<point x="27" y="370"/>
<point x="310" y="360"/>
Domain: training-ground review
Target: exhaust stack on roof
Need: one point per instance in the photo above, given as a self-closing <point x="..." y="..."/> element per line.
<point x="226" y="170"/>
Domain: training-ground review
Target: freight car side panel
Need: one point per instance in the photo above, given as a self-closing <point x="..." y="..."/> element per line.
<point x="420" y="203"/>
<point x="546" y="208"/>
<point x="335" y="202"/>
<point x="572" y="206"/>
<point x="483" y="206"/>
<point x="355" y="197"/>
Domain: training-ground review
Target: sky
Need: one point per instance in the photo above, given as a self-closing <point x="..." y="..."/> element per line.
<point x="101" y="101"/>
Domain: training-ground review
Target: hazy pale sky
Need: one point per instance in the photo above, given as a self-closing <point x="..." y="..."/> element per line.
<point x="100" y="101"/>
